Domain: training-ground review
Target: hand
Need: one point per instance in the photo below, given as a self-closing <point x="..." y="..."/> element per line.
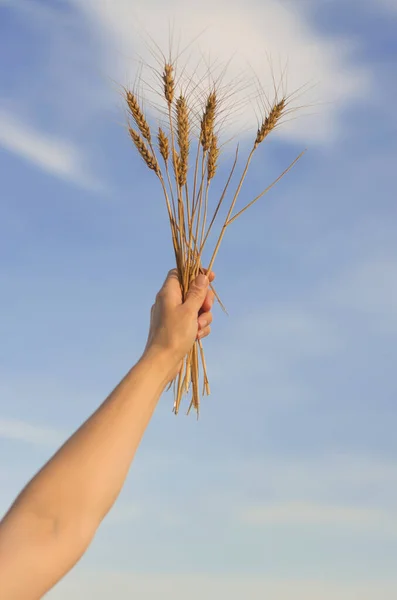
<point x="175" y="325"/>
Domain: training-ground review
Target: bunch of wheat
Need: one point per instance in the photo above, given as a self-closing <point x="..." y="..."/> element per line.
<point x="186" y="182"/>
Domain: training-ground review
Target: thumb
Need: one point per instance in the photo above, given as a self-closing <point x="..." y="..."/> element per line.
<point x="197" y="293"/>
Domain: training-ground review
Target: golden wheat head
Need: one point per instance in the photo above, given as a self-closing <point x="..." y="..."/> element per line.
<point x="144" y="151"/>
<point x="270" y="122"/>
<point x="169" y="83"/>
<point x="183" y="128"/>
<point x="208" y="121"/>
<point x="213" y="157"/>
<point x="138" y="116"/>
<point x="164" y="147"/>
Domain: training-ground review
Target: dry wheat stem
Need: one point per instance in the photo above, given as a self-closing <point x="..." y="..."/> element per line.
<point x="206" y="388"/>
<point x="149" y="155"/>
<point x="236" y="195"/>
<point x="267" y="189"/>
<point x="200" y="199"/>
<point x="229" y="220"/>
<point x="220" y="200"/>
<point x="188" y="209"/>
<point x="167" y="171"/>
<point x="268" y="124"/>
<point x="204" y="221"/>
<point x="212" y="163"/>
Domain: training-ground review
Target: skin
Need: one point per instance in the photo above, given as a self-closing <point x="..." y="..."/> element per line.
<point x="54" y="519"/>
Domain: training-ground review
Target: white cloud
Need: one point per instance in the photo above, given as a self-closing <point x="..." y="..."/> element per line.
<point x="51" y="154"/>
<point x="13" y="429"/>
<point x="151" y="586"/>
<point x="249" y="31"/>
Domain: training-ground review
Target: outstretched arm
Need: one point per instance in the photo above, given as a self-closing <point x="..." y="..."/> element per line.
<point x="54" y="519"/>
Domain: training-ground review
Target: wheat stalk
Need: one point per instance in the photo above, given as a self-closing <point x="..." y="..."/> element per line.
<point x="188" y="198"/>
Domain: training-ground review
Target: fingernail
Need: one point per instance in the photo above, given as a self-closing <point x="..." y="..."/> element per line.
<point x="202" y="281"/>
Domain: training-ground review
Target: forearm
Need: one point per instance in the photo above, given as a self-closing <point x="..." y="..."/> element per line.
<point x="64" y="503"/>
<point x="87" y="473"/>
<point x="85" y="476"/>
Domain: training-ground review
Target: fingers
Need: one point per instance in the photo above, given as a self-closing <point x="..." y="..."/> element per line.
<point x="171" y="289"/>
<point x="197" y="293"/>
<point x="171" y="279"/>
<point x="204" y="320"/>
<point x="211" y="276"/>
<point x="209" y="299"/>
<point x="203" y="333"/>
<point x="208" y="302"/>
<point x="199" y="298"/>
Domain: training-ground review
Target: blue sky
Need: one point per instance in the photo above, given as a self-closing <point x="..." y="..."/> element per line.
<point x="287" y="486"/>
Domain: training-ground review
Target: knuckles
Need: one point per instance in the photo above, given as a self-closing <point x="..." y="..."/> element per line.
<point x="160" y="296"/>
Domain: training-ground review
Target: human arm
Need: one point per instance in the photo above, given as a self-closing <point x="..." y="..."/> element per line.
<point x="53" y="520"/>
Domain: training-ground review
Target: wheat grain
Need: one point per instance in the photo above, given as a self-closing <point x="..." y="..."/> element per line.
<point x="163" y="145"/>
<point x="208" y="121"/>
<point x="169" y="83"/>
<point x="183" y="138"/>
<point x="270" y="121"/>
<point x="176" y="162"/>
<point x="138" y="116"/>
<point x="144" y="151"/>
<point x="213" y="157"/>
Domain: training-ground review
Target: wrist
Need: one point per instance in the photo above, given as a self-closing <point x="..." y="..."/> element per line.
<point x="162" y="362"/>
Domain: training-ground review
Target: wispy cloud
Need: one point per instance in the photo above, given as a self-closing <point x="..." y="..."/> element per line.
<point x="248" y="31"/>
<point x="49" y="153"/>
<point x="21" y="431"/>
